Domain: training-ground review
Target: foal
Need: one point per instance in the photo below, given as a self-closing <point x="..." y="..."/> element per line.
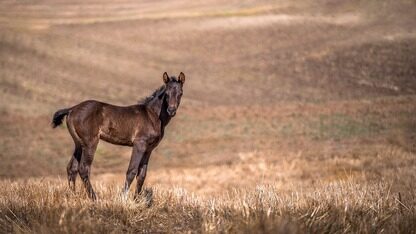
<point x="140" y="126"/>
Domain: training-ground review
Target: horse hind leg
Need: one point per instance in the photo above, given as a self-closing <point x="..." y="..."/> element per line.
<point x="72" y="168"/>
<point x="85" y="168"/>
<point x="73" y="165"/>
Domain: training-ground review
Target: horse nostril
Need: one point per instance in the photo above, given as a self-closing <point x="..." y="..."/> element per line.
<point x="171" y="110"/>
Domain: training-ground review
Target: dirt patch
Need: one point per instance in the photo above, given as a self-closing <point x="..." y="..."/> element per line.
<point x="277" y="19"/>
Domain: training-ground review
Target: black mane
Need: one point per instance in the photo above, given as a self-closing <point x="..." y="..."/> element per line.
<point x="156" y="93"/>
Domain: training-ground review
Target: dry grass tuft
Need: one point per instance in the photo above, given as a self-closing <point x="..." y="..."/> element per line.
<point x="48" y="206"/>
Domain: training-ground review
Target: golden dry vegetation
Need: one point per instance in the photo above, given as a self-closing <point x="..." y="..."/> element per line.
<point x="297" y="116"/>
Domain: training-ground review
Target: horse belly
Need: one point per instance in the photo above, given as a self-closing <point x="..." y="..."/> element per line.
<point x="117" y="136"/>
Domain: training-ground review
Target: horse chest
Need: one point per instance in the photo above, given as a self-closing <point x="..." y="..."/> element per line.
<point x="154" y="134"/>
<point x="154" y="139"/>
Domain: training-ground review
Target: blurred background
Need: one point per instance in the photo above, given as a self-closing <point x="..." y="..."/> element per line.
<point x="281" y="92"/>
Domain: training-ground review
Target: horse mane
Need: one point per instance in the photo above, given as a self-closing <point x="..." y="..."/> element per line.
<point x="155" y="94"/>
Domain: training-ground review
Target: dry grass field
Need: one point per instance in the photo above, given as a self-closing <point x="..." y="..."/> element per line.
<point x="297" y="116"/>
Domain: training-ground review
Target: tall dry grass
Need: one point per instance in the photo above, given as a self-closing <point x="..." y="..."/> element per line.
<point x="344" y="206"/>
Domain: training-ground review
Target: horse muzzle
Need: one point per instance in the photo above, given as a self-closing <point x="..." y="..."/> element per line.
<point x="171" y="111"/>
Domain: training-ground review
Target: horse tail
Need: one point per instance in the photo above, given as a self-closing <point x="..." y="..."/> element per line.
<point x="59" y="116"/>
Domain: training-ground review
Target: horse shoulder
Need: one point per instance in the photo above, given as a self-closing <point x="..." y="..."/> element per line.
<point x="148" y="132"/>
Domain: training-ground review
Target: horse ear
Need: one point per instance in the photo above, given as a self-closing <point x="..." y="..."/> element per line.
<point x="181" y="78"/>
<point x="165" y="77"/>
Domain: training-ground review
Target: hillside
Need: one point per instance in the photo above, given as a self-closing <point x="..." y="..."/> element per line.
<point x="292" y="94"/>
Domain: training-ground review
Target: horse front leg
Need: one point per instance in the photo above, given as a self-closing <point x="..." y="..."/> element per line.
<point x="141" y="176"/>
<point x="137" y="155"/>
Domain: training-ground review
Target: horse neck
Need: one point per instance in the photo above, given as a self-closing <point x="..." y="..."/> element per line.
<point x="159" y="106"/>
<point x="164" y="117"/>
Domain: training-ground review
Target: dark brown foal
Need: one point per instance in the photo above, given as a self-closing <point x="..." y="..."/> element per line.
<point x="140" y="126"/>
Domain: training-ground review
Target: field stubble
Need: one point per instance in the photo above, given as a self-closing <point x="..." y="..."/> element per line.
<point x="341" y="206"/>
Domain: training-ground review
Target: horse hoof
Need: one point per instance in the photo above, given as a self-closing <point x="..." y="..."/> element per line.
<point x="93" y="197"/>
<point x="124" y="196"/>
<point x="147" y="194"/>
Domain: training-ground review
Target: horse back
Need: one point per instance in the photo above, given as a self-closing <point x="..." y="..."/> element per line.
<point x="111" y="123"/>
